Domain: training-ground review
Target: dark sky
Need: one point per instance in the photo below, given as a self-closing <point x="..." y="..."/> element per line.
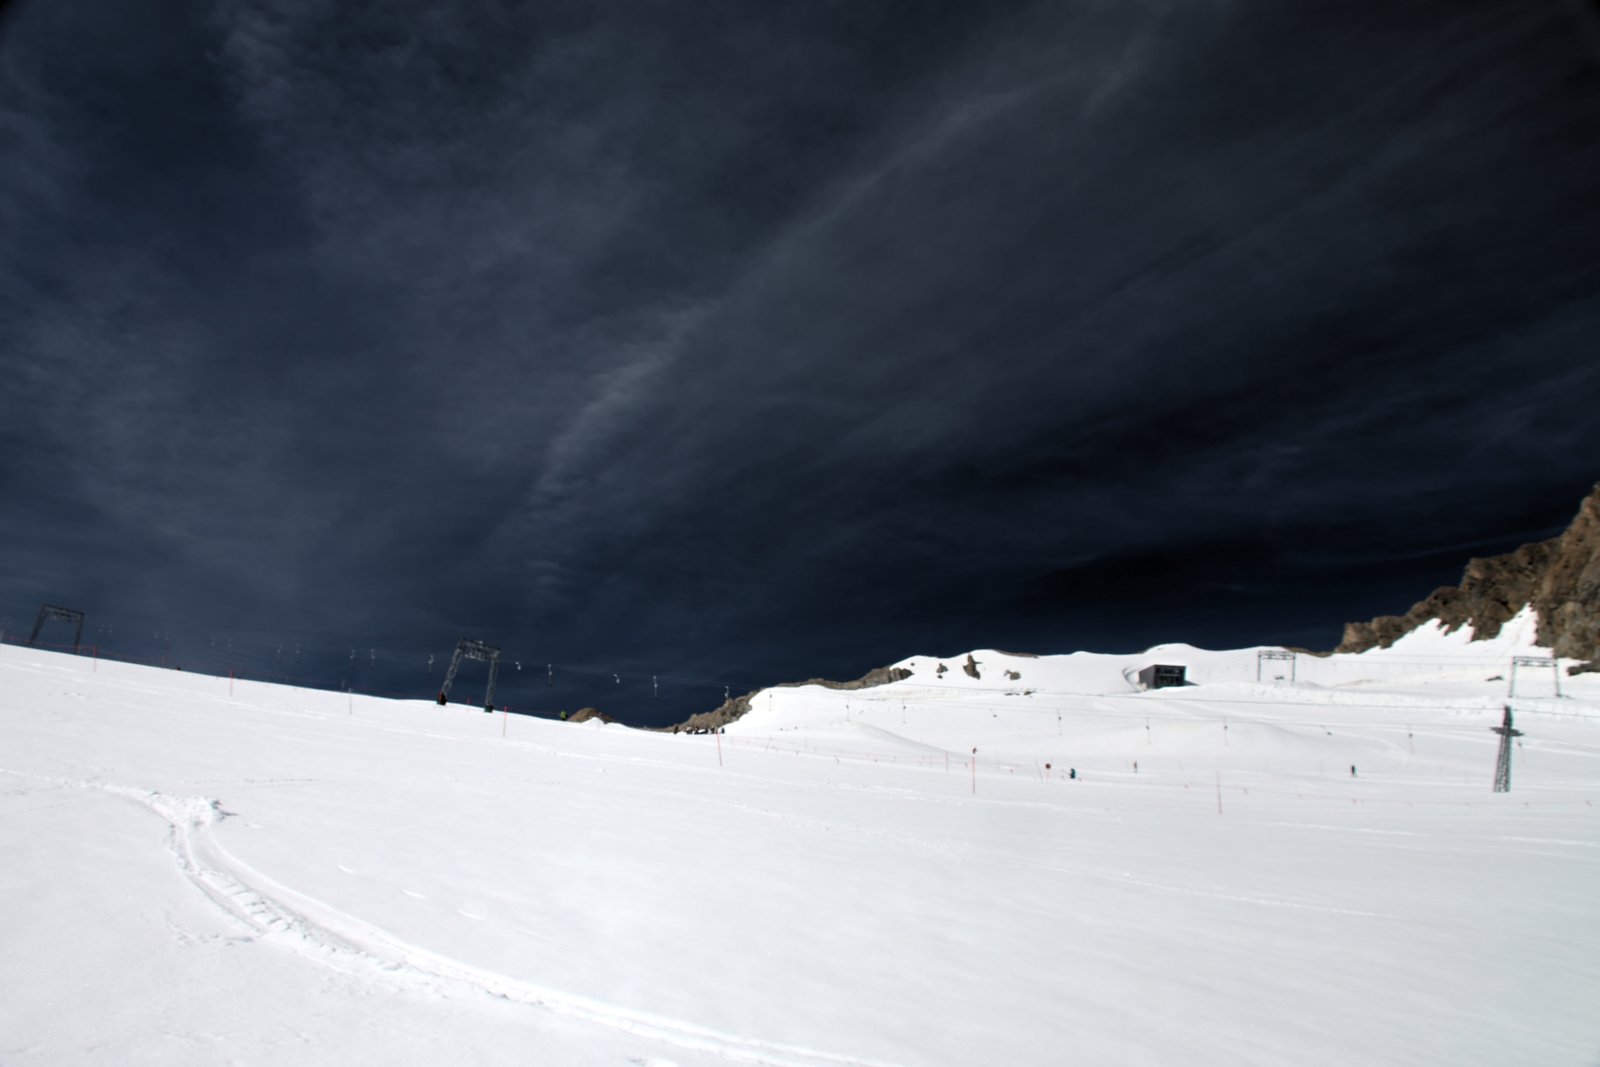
<point x="736" y="342"/>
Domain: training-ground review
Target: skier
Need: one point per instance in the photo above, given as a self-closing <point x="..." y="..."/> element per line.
<point x="1352" y="770"/>
<point x="1073" y="773"/>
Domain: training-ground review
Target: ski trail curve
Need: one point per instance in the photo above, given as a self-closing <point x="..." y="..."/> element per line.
<point x="334" y="938"/>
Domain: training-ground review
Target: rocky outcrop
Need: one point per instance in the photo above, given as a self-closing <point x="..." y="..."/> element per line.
<point x="709" y="721"/>
<point x="585" y="714"/>
<point x="735" y="707"/>
<point x="875" y="677"/>
<point x="1560" y="578"/>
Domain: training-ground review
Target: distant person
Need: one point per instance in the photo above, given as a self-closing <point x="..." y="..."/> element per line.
<point x="1135" y="766"/>
<point x="1352" y="770"/>
<point x="1072" y="773"/>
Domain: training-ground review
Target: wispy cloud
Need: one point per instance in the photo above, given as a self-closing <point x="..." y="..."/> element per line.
<point x="779" y="321"/>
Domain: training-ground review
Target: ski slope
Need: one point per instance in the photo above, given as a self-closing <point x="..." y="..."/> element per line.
<point x="282" y="876"/>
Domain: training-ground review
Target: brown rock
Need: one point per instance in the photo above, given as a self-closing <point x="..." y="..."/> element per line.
<point x="1559" y="577"/>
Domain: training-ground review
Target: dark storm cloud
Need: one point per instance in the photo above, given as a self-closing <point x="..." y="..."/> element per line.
<point x="790" y="340"/>
<point x="1189" y="310"/>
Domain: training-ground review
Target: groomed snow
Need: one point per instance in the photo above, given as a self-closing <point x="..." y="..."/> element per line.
<point x="283" y="876"/>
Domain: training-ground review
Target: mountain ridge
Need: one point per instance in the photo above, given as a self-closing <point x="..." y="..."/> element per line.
<point x="1559" y="578"/>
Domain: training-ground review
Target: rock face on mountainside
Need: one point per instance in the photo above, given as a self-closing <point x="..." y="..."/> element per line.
<point x="1559" y="577"/>
<point x="735" y="707"/>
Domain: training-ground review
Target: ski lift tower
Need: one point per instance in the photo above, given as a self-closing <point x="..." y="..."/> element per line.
<point x="1267" y="655"/>
<point x="1549" y="663"/>
<point x="467" y="648"/>
<point x="1502" y="767"/>
<point x="50" y="611"/>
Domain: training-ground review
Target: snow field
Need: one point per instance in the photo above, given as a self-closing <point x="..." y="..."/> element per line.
<point x="299" y="877"/>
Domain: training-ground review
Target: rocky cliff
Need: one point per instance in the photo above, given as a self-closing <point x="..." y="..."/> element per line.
<point x="1559" y="577"/>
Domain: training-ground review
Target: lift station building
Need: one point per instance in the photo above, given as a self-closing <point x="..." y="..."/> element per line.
<point x="1162" y="676"/>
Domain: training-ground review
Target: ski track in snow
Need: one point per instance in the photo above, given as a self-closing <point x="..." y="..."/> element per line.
<point x="342" y="941"/>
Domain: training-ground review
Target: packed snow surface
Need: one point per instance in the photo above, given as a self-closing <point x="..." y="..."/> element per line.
<point x="1284" y="862"/>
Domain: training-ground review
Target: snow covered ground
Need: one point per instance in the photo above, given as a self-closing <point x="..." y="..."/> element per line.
<point x="282" y="876"/>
